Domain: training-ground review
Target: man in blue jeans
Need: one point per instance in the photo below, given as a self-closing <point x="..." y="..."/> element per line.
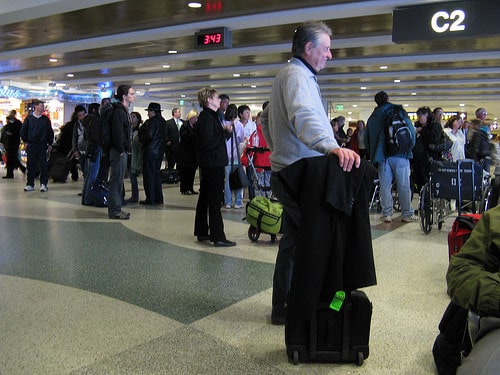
<point x="296" y="126"/>
<point x="395" y="168"/>
<point x="118" y="151"/>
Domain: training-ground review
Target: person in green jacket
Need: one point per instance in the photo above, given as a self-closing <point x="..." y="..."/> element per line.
<point x="473" y="275"/>
<point x="474" y="283"/>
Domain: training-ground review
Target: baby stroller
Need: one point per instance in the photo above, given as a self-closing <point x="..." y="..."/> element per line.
<point x="263" y="212"/>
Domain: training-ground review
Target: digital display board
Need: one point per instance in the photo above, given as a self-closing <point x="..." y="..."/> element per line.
<point x="213" y="38"/>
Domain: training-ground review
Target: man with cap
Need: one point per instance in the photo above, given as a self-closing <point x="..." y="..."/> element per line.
<point x="152" y="138"/>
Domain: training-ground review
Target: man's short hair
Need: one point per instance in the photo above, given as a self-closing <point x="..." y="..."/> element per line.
<point x="481" y="111"/>
<point x="122" y="91"/>
<point x="309" y="31"/>
<point x="37" y="102"/>
<point x="242" y="108"/>
<point x="381" y="98"/>
<point x="223" y="97"/>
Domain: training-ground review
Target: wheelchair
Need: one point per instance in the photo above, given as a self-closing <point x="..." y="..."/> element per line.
<point x="463" y="181"/>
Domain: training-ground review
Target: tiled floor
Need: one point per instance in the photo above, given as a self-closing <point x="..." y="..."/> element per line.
<point x="80" y="294"/>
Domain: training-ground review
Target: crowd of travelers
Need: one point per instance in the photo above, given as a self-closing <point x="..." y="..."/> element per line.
<point x="145" y="146"/>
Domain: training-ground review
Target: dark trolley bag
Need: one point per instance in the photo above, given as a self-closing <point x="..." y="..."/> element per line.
<point x="334" y="336"/>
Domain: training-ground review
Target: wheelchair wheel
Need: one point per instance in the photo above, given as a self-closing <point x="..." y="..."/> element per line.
<point x="486" y="199"/>
<point x="426" y="208"/>
<point x="491" y="194"/>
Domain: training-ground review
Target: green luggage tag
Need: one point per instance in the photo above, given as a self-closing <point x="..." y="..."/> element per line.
<point x="338" y="300"/>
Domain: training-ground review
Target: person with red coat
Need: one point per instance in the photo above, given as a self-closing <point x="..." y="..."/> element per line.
<point x="260" y="157"/>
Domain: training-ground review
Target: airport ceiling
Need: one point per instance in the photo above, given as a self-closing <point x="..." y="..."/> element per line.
<point x="99" y="44"/>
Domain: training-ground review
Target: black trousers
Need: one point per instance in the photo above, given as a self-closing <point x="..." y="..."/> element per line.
<point x="208" y="219"/>
<point x="13" y="160"/>
<point x="152" y="179"/>
<point x="187" y="178"/>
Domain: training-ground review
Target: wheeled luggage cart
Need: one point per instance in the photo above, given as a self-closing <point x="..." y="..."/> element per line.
<point x="462" y="180"/>
<point x="263" y="212"/>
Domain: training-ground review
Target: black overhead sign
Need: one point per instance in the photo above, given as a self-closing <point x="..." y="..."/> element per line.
<point x="449" y="20"/>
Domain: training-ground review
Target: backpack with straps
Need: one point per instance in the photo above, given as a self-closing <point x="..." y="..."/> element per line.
<point x="397" y="134"/>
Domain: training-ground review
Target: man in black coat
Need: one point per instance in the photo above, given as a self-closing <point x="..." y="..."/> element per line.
<point x="11" y="139"/>
<point x="152" y="138"/>
<point x="172" y="138"/>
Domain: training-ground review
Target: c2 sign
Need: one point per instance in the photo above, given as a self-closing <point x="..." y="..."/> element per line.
<point x="448" y="20"/>
<point x="440" y="21"/>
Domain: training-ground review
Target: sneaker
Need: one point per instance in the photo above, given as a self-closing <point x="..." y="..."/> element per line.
<point x="121" y="216"/>
<point x="410" y="219"/>
<point x="29" y="188"/>
<point x="227" y="206"/>
<point x="386" y="219"/>
<point x="238" y="206"/>
<point x="43" y="188"/>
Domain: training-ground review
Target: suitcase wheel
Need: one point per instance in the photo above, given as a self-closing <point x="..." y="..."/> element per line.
<point x="253" y="233"/>
<point x="295" y="357"/>
<point x="360" y="359"/>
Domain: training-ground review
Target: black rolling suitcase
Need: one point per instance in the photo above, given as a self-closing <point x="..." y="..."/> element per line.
<point x="59" y="167"/>
<point x="334" y="336"/>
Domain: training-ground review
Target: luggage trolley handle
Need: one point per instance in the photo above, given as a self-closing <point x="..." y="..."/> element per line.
<point x="459" y="182"/>
<point x="256" y="149"/>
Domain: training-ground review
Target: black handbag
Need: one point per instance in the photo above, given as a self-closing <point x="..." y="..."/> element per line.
<point x="237" y="177"/>
<point x="444" y="144"/>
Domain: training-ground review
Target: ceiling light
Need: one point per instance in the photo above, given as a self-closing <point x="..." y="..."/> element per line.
<point x="406" y="105"/>
<point x="414" y="93"/>
<point x="183" y="95"/>
<point x="172" y="51"/>
<point x="147" y="83"/>
<point x="462" y="105"/>
<point x="349" y="113"/>
<point x="236" y="74"/>
<point x="363" y="87"/>
<point x="383" y="67"/>
<point x="194" y="4"/>
<point x="354" y="106"/>
<point x="53" y="60"/>
<point x="166" y="66"/>
<point x="70" y="75"/>
<point x="397" y="80"/>
<point x="253" y="87"/>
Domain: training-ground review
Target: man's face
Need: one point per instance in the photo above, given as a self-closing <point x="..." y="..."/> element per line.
<point x="130" y="98"/>
<point x="223" y="104"/>
<point x="177" y="114"/>
<point x="319" y="55"/>
<point x="40" y="108"/>
<point x="245" y="115"/>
